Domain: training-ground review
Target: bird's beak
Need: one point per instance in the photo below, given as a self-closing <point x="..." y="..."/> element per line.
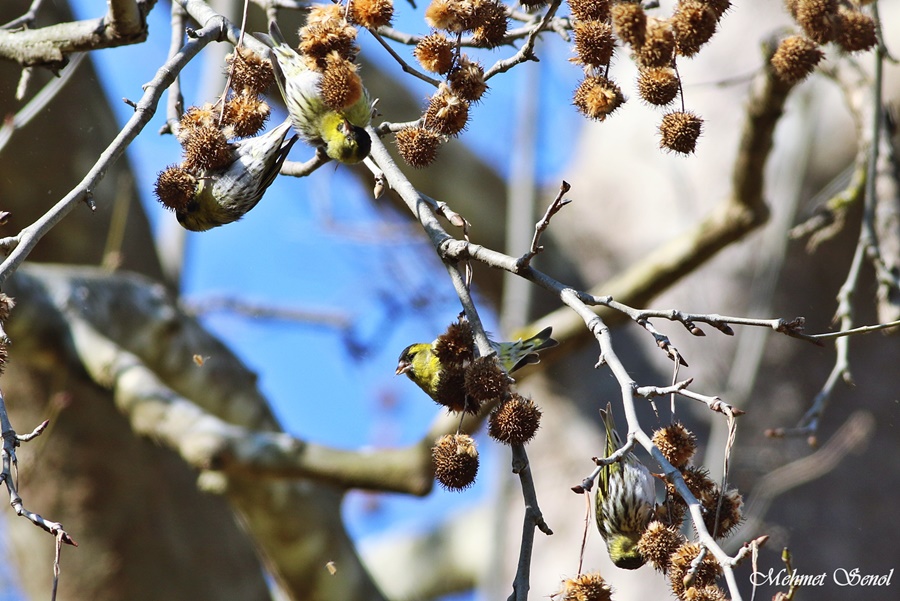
<point x="403" y="367"/>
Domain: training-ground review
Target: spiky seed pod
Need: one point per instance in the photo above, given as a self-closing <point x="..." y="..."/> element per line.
<point x="372" y="13"/>
<point x="7" y="303"/>
<point x="680" y="564"/>
<point x="709" y="592"/>
<point x="658" y="543"/>
<point x="590" y="10"/>
<point x="719" y="7"/>
<point x="206" y="148"/>
<point x="435" y="53"/>
<point x="491" y="23"/>
<point x="630" y="23"/>
<point x="676" y="443"/>
<point x="594" y="43"/>
<point x="672" y="510"/>
<point x="658" y="85"/>
<point x="795" y="58"/>
<point x="418" y="146"/>
<point x="250" y="72"/>
<point x="597" y="97"/>
<point x="246" y="114"/>
<point x="515" y="421"/>
<point x="451" y="391"/>
<point x="679" y="131"/>
<point x="456" y="346"/>
<point x="586" y="587"/>
<point x="450" y="15"/>
<point x="467" y="79"/>
<point x="328" y="15"/>
<point x="730" y="514"/>
<point x="318" y="40"/>
<point x="175" y="188"/>
<point x="856" y="31"/>
<point x="341" y="86"/>
<point x="659" y="44"/>
<point x="194" y="117"/>
<point x="485" y="380"/>
<point x="455" y="461"/>
<point x="819" y="19"/>
<point x="698" y="482"/>
<point x="447" y="113"/>
<point x="693" y="23"/>
<point x="791" y="6"/>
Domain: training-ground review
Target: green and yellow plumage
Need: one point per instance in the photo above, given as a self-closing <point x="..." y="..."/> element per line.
<point x="341" y="134"/>
<point x="420" y="363"/>
<point x="624" y="501"/>
<point x="225" y="195"/>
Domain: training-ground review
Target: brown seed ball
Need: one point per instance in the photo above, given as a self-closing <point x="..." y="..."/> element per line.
<point x="328" y="15"/>
<point x="467" y="80"/>
<point x="657" y="544"/>
<point x="341" y="86"/>
<point x="698" y="482"/>
<point x="679" y="131"/>
<point x="597" y="97"/>
<point x="206" y="148"/>
<point x="795" y="58"/>
<point x="590" y="10"/>
<point x="719" y="7"/>
<point x="249" y="72"/>
<point x="447" y="113"/>
<point x="435" y="53"/>
<point x="451" y="391"/>
<point x="659" y="44"/>
<point x="485" y="380"/>
<point x="856" y="31"/>
<point x="594" y="43"/>
<point x="710" y="592"/>
<point x="818" y="18"/>
<point x="730" y="514"/>
<point x="515" y="421"/>
<point x="672" y="511"/>
<point x="418" y="146"/>
<point x="693" y="23"/>
<point x="194" y="117"/>
<point x="319" y="40"/>
<point x="455" y="461"/>
<point x="450" y="15"/>
<point x="372" y="13"/>
<point x="246" y="114"/>
<point x="586" y="587"/>
<point x="175" y="188"/>
<point x="658" y="85"/>
<point x="676" y="443"/>
<point x="490" y="23"/>
<point x="456" y="346"/>
<point x="7" y="304"/>
<point x="680" y="565"/>
<point x="630" y="23"/>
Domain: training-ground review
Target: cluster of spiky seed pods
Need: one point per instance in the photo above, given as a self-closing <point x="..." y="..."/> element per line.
<point x="821" y="22"/>
<point x="466" y="384"/>
<point x="662" y="543"/>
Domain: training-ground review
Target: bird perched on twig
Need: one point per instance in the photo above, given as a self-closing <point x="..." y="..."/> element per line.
<point x="625" y="500"/>
<point x="225" y="195"/>
<point x="421" y="362"/>
<point x="339" y="132"/>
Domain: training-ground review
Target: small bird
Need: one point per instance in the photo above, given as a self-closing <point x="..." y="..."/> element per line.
<point x="340" y="134"/>
<point x="625" y="501"/>
<point x="225" y="195"/>
<point x="420" y="363"/>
